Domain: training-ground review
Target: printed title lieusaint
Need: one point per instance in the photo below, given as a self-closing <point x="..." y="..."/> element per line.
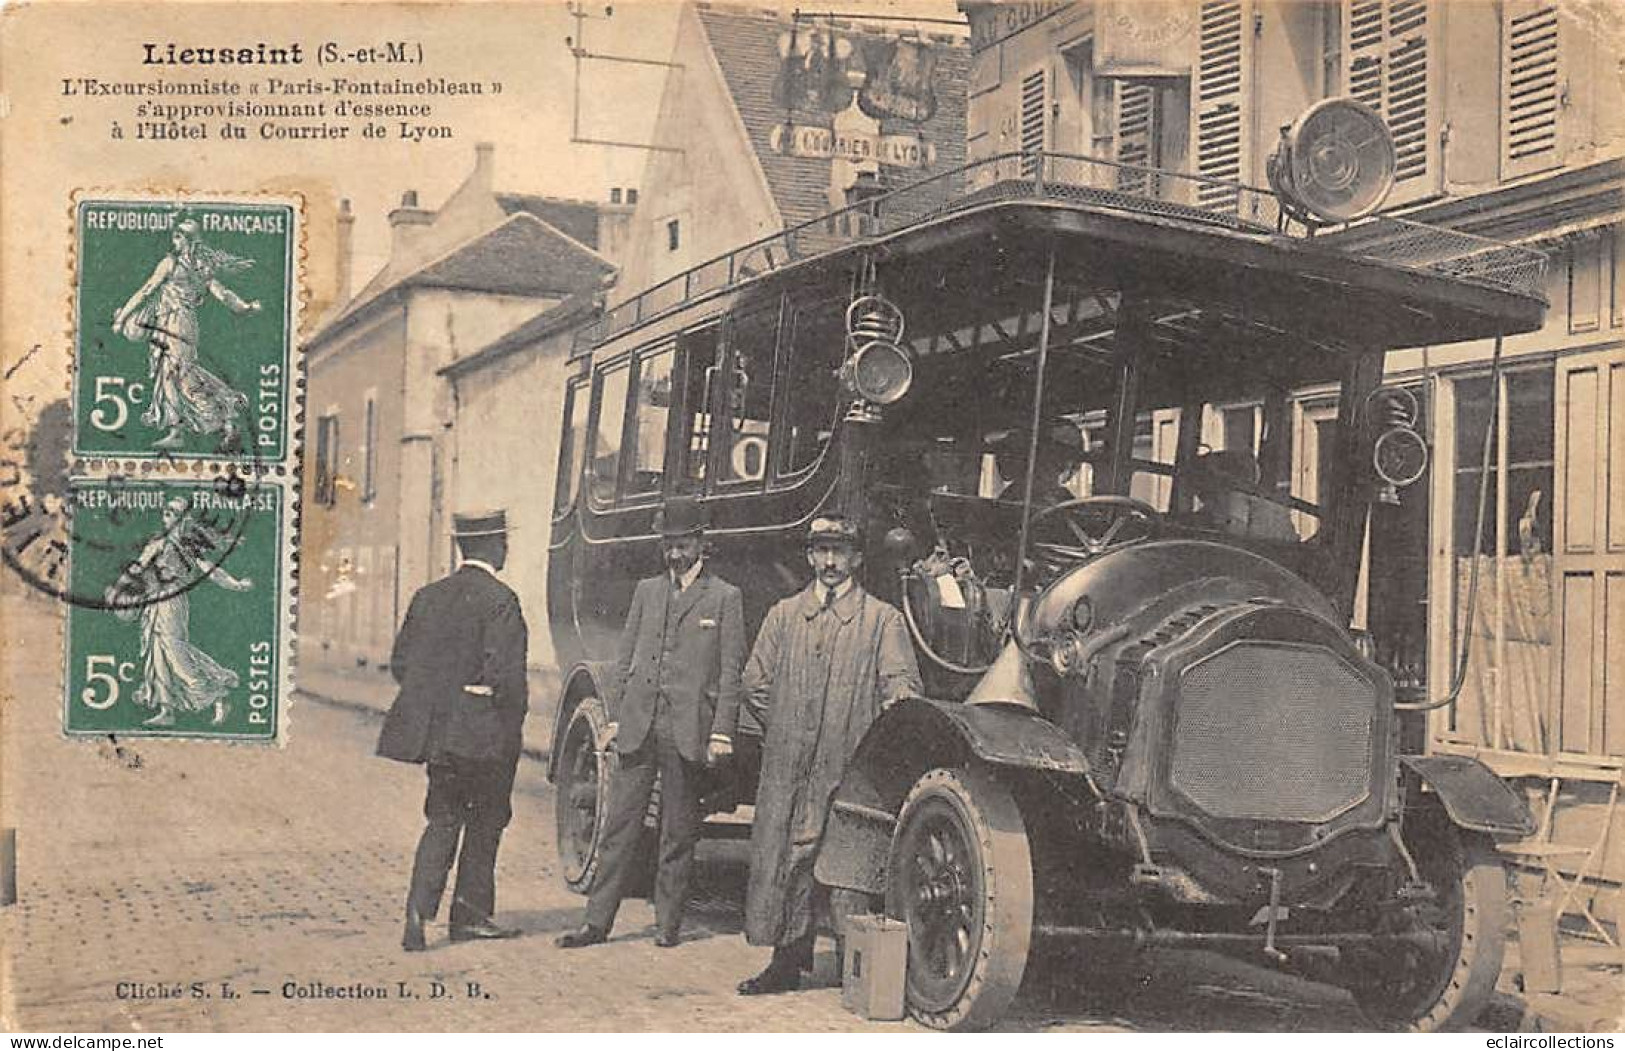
<point x="260" y="54"/>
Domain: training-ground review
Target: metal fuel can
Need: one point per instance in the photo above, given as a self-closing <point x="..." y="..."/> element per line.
<point x="876" y="963"/>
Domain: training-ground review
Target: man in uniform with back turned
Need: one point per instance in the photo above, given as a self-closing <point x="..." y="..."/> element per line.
<point x="677" y="684"/>
<point x="460" y="662"/>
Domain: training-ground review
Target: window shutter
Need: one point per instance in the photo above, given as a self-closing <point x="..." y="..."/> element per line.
<point x="1135" y="128"/>
<point x="1034" y="118"/>
<point x="1391" y="64"/>
<point x="1531" y="85"/>
<point x="1363" y="52"/>
<point x="1223" y="86"/>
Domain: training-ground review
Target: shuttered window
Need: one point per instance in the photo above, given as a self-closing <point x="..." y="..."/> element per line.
<point x="1391" y="56"/>
<point x="1223" y="72"/>
<point x="1136" y="123"/>
<point x="1530" y="87"/>
<point x="1365" y="50"/>
<point x="1033" y="118"/>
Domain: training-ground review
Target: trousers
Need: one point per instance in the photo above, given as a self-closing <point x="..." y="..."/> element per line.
<point x="623" y="827"/>
<point x="469" y="802"/>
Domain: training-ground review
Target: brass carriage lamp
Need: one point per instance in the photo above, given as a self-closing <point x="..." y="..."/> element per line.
<point x="876" y="369"/>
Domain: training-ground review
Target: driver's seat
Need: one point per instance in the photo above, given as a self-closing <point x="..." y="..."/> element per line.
<point x="952" y="613"/>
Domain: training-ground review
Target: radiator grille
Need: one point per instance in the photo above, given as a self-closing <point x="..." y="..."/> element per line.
<point x="1273" y="732"/>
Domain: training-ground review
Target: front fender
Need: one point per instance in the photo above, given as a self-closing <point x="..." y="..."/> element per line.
<point x="909" y="739"/>
<point x="1473" y="795"/>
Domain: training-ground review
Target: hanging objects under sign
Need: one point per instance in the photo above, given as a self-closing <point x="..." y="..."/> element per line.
<point x="894" y="151"/>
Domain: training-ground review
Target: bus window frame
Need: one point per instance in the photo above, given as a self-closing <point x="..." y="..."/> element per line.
<point x="562" y="480"/>
<point x="779" y="428"/>
<point x="600" y="370"/>
<point x="624" y="496"/>
<point x="721" y="401"/>
<point x="679" y="430"/>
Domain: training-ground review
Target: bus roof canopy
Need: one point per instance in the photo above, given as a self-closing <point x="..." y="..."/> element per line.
<point x="960" y="240"/>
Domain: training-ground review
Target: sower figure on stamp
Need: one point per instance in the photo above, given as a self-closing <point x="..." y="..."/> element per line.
<point x="677" y="687"/>
<point x="176" y="676"/>
<point x="826" y="662"/>
<point x="460" y="662"/>
<point x="184" y="392"/>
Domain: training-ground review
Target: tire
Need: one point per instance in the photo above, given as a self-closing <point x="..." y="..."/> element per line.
<point x="961" y="876"/>
<point x="582" y="799"/>
<point x="1407" y="988"/>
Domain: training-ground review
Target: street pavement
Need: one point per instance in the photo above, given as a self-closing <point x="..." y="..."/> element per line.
<point x="273" y="879"/>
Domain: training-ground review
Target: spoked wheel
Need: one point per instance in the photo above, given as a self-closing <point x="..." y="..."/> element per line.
<point x="961" y="876"/>
<point x="1442" y="976"/>
<point x="583" y="794"/>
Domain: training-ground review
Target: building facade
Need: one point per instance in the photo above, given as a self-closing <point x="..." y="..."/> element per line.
<point x="379" y="444"/>
<point x="765" y="124"/>
<point x="1509" y="122"/>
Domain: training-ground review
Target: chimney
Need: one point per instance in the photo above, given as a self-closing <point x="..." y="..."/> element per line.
<point x="407" y="224"/>
<point x="346" y="252"/>
<point x="484" y="166"/>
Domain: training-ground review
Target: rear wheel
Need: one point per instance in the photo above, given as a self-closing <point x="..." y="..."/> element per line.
<point x="1442" y="978"/>
<point x="584" y="772"/>
<point x="961" y="876"/>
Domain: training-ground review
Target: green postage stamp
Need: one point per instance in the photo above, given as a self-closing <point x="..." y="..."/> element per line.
<point x="178" y="620"/>
<point x="185" y="315"/>
<point x="172" y="534"/>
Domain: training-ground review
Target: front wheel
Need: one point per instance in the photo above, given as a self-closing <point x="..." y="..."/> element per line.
<point x="961" y="876"/>
<point x="585" y="766"/>
<point x="1442" y="978"/>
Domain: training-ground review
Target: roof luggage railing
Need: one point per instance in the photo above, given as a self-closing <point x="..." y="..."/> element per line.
<point x="1090" y="182"/>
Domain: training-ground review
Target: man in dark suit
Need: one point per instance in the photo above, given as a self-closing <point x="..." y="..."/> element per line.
<point x="460" y="662"/>
<point x="677" y="684"/>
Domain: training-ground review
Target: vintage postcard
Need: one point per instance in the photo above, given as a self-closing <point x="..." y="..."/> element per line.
<point x="925" y="515"/>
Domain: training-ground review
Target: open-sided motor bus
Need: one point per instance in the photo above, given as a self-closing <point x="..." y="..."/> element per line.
<point x="1148" y="721"/>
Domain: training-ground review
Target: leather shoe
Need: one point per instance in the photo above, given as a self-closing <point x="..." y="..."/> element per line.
<point x="412" y="937"/>
<point x="581" y="937"/>
<point x="483" y="931"/>
<point x="777" y="978"/>
<point x="667" y="940"/>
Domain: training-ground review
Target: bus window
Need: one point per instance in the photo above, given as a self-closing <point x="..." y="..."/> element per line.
<point x="1156" y="436"/>
<point x="606" y="446"/>
<point x="752" y="339"/>
<point x="651" y="418"/>
<point x="571" y="446"/>
<point x="699" y="372"/>
<point x="812" y="398"/>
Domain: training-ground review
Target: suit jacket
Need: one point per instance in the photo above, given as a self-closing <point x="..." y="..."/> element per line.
<point x="699" y="673"/>
<point x="463" y="630"/>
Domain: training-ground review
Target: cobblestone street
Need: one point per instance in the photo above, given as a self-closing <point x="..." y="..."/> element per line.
<point x="263" y="874"/>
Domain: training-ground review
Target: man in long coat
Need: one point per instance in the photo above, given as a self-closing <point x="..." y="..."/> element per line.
<point x="676" y="698"/>
<point x="826" y="662"/>
<point x="460" y="661"/>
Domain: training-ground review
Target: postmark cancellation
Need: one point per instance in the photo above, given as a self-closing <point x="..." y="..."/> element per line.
<point x="182" y="620"/>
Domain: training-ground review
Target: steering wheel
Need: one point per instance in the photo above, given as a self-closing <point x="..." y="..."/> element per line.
<point x="1098" y="524"/>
